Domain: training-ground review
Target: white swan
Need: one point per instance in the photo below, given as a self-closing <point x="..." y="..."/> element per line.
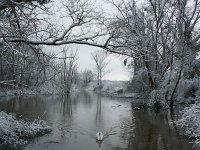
<point x="99" y="136"/>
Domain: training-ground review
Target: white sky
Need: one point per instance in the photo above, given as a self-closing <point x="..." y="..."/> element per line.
<point x="116" y="69"/>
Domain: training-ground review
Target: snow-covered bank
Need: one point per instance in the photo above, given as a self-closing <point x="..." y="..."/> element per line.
<point x="112" y="89"/>
<point x="23" y="91"/>
<point x="15" y="133"/>
<point x="190" y="122"/>
<point x="43" y="89"/>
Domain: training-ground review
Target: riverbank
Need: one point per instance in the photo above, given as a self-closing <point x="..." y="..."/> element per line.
<point x="189" y="119"/>
<point x="22" y="91"/>
<point x="190" y="122"/>
<point x="16" y="133"/>
<point x="77" y="119"/>
<point x="115" y="89"/>
<point x="45" y="89"/>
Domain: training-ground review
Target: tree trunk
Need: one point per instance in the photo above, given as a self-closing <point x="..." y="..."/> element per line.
<point x="152" y="84"/>
<point x="171" y="105"/>
<point x="98" y="79"/>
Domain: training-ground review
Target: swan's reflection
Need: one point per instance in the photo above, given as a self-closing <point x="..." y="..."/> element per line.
<point x="98" y="117"/>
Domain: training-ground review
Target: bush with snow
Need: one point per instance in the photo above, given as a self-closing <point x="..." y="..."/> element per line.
<point x="190" y="122"/>
<point x="157" y="99"/>
<point x="188" y="90"/>
<point x="111" y="88"/>
<point x="15" y="133"/>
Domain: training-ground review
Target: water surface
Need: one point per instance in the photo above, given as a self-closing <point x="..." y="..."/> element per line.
<point x="76" y="119"/>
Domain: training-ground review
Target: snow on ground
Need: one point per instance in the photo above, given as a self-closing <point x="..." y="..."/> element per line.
<point x="15" y="133"/>
<point x="28" y="91"/>
<point x="43" y="89"/>
<point x="112" y="88"/>
<point x="190" y="122"/>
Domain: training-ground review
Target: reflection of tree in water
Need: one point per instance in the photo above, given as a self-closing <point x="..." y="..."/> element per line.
<point x="82" y="97"/>
<point x="86" y="98"/>
<point x="66" y="111"/>
<point x="155" y="131"/>
<point x="66" y="105"/>
<point x="98" y="113"/>
<point x="98" y="119"/>
<point x="24" y="105"/>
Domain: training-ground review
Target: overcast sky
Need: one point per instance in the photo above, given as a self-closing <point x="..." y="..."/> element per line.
<point x="116" y="69"/>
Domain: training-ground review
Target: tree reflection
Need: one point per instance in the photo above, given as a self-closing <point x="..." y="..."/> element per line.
<point x="24" y="106"/>
<point x="98" y="113"/>
<point x="98" y="117"/>
<point x="155" y="131"/>
<point x="66" y="105"/>
<point x="66" y="111"/>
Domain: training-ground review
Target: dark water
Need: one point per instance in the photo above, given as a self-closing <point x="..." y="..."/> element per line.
<point x="76" y="120"/>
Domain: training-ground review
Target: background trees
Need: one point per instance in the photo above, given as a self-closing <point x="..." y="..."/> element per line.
<point x="87" y="76"/>
<point x="70" y="71"/>
<point x="101" y="63"/>
<point x="160" y="38"/>
<point x="21" y="64"/>
<point x="27" y="25"/>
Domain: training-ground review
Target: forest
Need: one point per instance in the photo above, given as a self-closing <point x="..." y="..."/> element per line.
<point x="159" y="41"/>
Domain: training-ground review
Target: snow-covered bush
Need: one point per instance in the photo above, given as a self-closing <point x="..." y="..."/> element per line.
<point x="15" y="133"/>
<point x="157" y="99"/>
<point x="188" y="90"/>
<point x="162" y="93"/>
<point x="190" y="122"/>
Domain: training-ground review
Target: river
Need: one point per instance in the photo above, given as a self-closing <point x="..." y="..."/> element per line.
<point x="76" y="119"/>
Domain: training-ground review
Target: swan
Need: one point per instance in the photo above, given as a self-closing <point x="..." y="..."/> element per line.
<point x="99" y="136"/>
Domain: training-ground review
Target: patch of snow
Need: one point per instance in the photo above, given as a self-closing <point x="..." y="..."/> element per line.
<point x="15" y="133"/>
<point x="111" y="88"/>
<point x="190" y="121"/>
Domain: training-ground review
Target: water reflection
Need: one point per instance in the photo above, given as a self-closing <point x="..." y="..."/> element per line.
<point x="156" y="131"/>
<point x="98" y="117"/>
<point x="66" y="111"/>
<point x="66" y="105"/>
<point x="98" y="113"/>
<point x="24" y="106"/>
<point x="77" y="118"/>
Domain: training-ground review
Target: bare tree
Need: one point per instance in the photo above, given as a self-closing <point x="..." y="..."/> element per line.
<point x="69" y="69"/>
<point x="13" y="3"/>
<point x="101" y="63"/>
<point x="23" y="64"/>
<point x="83" y="25"/>
<point x="23" y="28"/>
